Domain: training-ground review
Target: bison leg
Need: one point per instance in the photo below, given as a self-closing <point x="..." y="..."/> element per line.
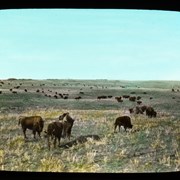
<point x="55" y="142"/>
<point x="34" y="132"/>
<point x="24" y="131"/>
<point x="64" y="134"/>
<point x="52" y="137"/>
<point x="39" y="133"/>
<point x="125" y="129"/>
<point x="69" y="134"/>
<point x="59" y="139"/>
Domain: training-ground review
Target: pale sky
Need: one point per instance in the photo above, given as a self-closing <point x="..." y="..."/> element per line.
<point x="115" y="44"/>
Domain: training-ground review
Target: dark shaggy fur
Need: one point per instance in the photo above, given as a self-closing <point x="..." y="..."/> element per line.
<point x="54" y="130"/>
<point x="150" y="112"/>
<point x="61" y="117"/>
<point x="34" y="123"/>
<point x="124" y="121"/>
<point x="68" y="124"/>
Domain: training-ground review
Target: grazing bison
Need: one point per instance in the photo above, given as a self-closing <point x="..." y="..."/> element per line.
<point x="119" y="99"/>
<point x="132" y="98"/>
<point x="102" y="97"/>
<point x="139" y="97"/>
<point x="150" y="112"/>
<point x="124" y="121"/>
<point x="34" y="123"/>
<point x="57" y="129"/>
<point x="143" y="108"/>
<point x="54" y="130"/>
<point x="60" y="95"/>
<point x="139" y="102"/>
<point x="55" y="96"/>
<point x="78" y="97"/>
<point x="67" y="125"/>
<point x="126" y="96"/>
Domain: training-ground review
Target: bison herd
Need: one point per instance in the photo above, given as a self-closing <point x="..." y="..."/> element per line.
<point x="62" y="127"/>
<point x="55" y="130"/>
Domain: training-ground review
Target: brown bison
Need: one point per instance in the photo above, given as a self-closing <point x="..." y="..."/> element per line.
<point x="124" y="121"/>
<point x="54" y="130"/>
<point x="61" y="117"/>
<point x="102" y="97"/>
<point x="119" y="99"/>
<point x="139" y="97"/>
<point x="78" y="97"/>
<point x="126" y="96"/>
<point x="150" y="112"/>
<point x="67" y="125"/>
<point x="34" y="123"/>
<point x="143" y="108"/>
<point x="139" y="102"/>
<point x="132" y="98"/>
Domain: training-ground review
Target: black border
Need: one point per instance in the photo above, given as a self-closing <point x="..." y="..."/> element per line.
<point x="85" y="176"/>
<point x="172" y="5"/>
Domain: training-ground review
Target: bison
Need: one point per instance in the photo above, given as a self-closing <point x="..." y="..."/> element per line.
<point x="124" y="121"/>
<point x="78" y="97"/>
<point x="118" y="98"/>
<point x="132" y="98"/>
<point x="150" y="112"/>
<point x="139" y="102"/>
<point x="61" y="117"/>
<point x="34" y="123"/>
<point x="67" y="125"/>
<point x="54" y="130"/>
<point x="143" y="108"/>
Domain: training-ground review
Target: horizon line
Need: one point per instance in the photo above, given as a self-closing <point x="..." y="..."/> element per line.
<point x="76" y="79"/>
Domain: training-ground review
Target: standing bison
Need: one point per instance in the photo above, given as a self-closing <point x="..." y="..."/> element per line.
<point x="54" y="130"/>
<point x="67" y="125"/>
<point x="150" y="112"/>
<point x="34" y="123"/>
<point x="124" y="121"/>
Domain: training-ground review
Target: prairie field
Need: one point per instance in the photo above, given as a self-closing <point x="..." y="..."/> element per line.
<point x="152" y="145"/>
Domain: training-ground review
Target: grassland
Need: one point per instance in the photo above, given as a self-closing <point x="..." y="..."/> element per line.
<point x="151" y="146"/>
